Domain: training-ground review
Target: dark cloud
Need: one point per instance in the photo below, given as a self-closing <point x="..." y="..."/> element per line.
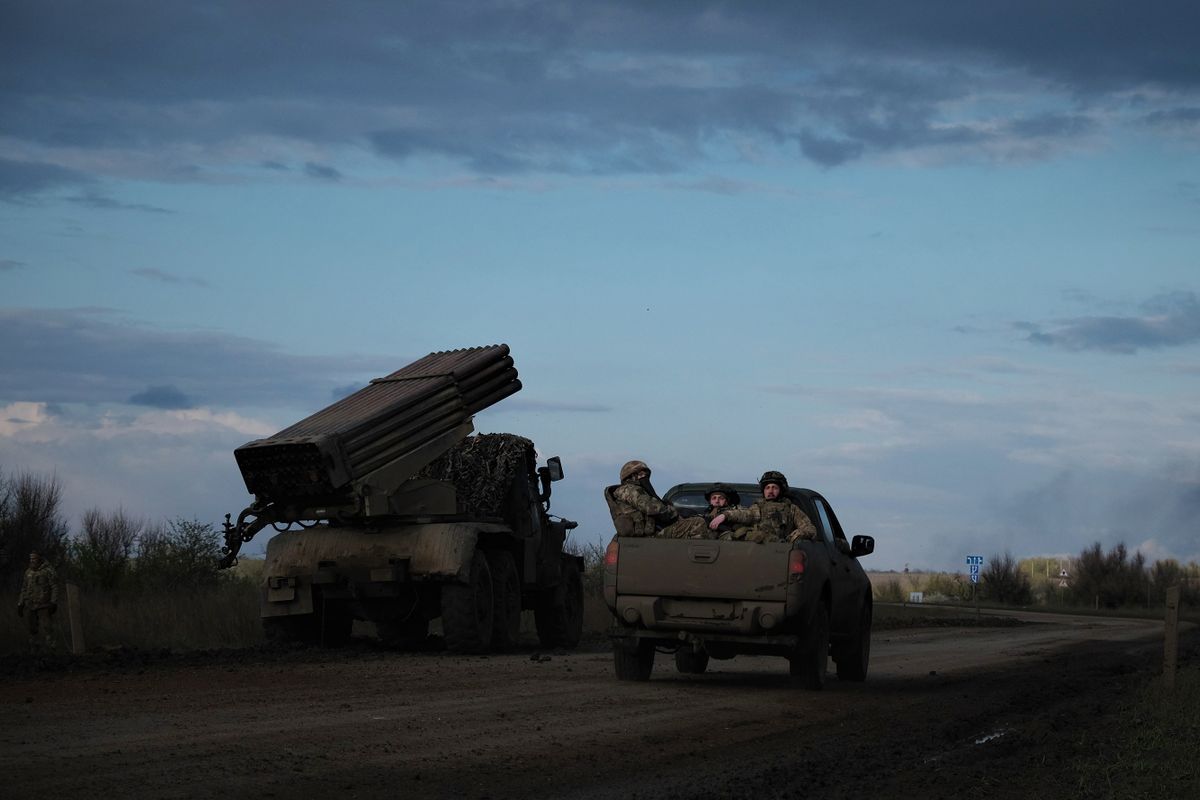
<point x="1169" y="320"/>
<point x="97" y="200"/>
<point x="92" y="356"/>
<point x="576" y="87"/>
<point x="556" y="406"/>
<point x="21" y="180"/>
<point x="165" y="397"/>
<point x="168" y="277"/>
<point x="322" y="172"/>
<point x="11" y="265"/>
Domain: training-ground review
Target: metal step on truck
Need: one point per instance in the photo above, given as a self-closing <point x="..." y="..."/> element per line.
<point x="388" y="509"/>
<point x="702" y="599"/>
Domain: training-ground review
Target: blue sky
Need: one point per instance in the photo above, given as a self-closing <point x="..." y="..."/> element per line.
<point x="936" y="260"/>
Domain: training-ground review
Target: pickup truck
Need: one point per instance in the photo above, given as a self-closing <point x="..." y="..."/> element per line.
<point x="706" y="598"/>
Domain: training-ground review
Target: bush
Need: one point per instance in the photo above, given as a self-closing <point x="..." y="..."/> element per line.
<point x="1003" y="581"/>
<point x="889" y="591"/>
<point x="30" y="520"/>
<point x="1110" y="579"/>
<point x="100" y="556"/>
<point x="947" y="585"/>
<point x="184" y="553"/>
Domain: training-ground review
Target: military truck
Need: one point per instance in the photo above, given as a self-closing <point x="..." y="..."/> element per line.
<point x="389" y="510"/>
<point x="705" y="598"/>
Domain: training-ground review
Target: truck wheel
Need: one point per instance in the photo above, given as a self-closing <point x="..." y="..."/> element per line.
<point x="809" y="661"/>
<point x="467" y="613"/>
<point x="506" y="600"/>
<point x="634" y="663"/>
<point x="559" y="613"/>
<point x="689" y="662"/>
<point x="853" y="661"/>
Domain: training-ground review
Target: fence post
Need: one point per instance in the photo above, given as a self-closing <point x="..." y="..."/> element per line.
<point x="1171" y="637"/>
<point x="77" y="645"/>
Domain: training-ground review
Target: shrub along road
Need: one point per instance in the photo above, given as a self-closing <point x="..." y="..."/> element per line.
<point x="999" y="711"/>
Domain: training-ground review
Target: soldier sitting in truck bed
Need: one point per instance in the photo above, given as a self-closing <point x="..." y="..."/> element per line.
<point x="774" y="518"/>
<point x="721" y="499"/>
<point x="637" y="510"/>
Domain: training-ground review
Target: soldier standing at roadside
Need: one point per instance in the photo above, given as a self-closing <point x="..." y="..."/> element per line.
<point x="637" y="510"/>
<point x="774" y="518"/>
<point x="39" y="597"/>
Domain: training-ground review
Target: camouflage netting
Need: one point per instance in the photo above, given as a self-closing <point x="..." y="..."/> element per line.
<point x="482" y="469"/>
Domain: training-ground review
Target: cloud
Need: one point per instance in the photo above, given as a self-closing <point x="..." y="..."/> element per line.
<point x="167" y="397"/>
<point x="23" y="180"/>
<point x="11" y="265"/>
<point x="92" y="356"/>
<point x="1169" y="320"/>
<point x="96" y="200"/>
<point x="162" y="276"/>
<point x="556" y="406"/>
<point x="321" y="172"/>
<point x="576" y="88"/>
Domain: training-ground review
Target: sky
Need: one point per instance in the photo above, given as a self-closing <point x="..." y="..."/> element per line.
<point x="936" y="260"/>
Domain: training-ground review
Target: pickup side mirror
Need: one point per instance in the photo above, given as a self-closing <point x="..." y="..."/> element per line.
<point x="554" y="468"/>
<point x="862" y="546"/>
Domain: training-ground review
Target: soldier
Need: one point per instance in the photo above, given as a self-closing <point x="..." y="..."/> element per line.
<point x="637" y="510"/>
<point x="721" y="498"/>
<point x="774" y="518"/>
<point x="39" y="596"/>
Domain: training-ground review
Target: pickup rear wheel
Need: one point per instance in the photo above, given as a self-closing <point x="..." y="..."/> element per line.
<point x="689" y="662"/>
<point x="811" y="657"/>
<point x="506" y="600"/>
<point x="467" y="611"/>
<point x="634" y="662"/>
<point x="852" y="662"/>
<point x="559" y="612"/>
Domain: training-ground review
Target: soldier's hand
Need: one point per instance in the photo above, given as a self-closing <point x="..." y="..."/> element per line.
<point x="716" y="521"/>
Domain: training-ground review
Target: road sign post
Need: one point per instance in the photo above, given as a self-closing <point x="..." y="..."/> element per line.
<point x="973" y="564"/>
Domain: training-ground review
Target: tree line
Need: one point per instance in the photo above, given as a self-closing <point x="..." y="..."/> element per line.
<point x="111" y="549"/>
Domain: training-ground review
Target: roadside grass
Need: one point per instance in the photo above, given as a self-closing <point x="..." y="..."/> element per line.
<point x="1151" y="753"/>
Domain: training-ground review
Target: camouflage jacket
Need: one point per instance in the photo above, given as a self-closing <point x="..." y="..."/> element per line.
<point x="636" y="512"/>
<point x="725" y="526"/>
<point x="40" y="588"/>
<point x="776" y="520"/>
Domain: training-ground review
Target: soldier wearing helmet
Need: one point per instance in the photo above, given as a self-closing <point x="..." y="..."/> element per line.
<point x="721" y="498"/>
<point x="774" y="518"/>
<point x="637" y="510"/>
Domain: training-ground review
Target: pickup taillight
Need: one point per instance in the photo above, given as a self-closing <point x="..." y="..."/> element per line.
<point x="797" y="561"/>
<point x="610" y="555"/>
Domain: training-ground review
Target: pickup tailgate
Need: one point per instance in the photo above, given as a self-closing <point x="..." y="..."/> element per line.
<point x="703" y="568"/>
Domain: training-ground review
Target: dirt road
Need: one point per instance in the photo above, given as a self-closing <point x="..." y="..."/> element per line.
<point x="942" y="706"/>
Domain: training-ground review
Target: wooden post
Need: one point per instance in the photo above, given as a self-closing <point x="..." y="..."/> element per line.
<point x="1171" y="637"/>
<point x="77" y="645"/>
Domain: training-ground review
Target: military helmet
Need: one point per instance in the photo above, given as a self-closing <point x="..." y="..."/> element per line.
<point x="632" y="467"/>
<point x="773" y="476"/>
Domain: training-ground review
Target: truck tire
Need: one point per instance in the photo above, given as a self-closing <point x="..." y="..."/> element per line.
<point x="634" y="663"/>
<point x="506" y="600"/>
<point x="811" y="657"/>
<point x="559" y="613"/>
<point x="467" y="613"/>
<point x="853" y="661"/>
<point x="689" y="662"/>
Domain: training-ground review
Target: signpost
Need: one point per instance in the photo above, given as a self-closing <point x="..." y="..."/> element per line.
<point x="974" y="563"/>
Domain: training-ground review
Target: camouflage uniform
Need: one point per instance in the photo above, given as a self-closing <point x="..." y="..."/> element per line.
<point x="770" y="521"/>
<point x="638" y="512"/>
<point x="39" y="600"/>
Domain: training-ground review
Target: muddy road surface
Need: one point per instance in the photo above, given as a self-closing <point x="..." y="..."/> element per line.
<point x="944" y="710"/>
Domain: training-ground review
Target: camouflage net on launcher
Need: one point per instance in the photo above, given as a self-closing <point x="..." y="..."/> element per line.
<point x="482" y="467"/>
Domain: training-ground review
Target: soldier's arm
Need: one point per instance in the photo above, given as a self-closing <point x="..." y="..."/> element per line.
<point x="743" y="516"/>
<point x="804" y="528"/>
<point x="643" y="502"/>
